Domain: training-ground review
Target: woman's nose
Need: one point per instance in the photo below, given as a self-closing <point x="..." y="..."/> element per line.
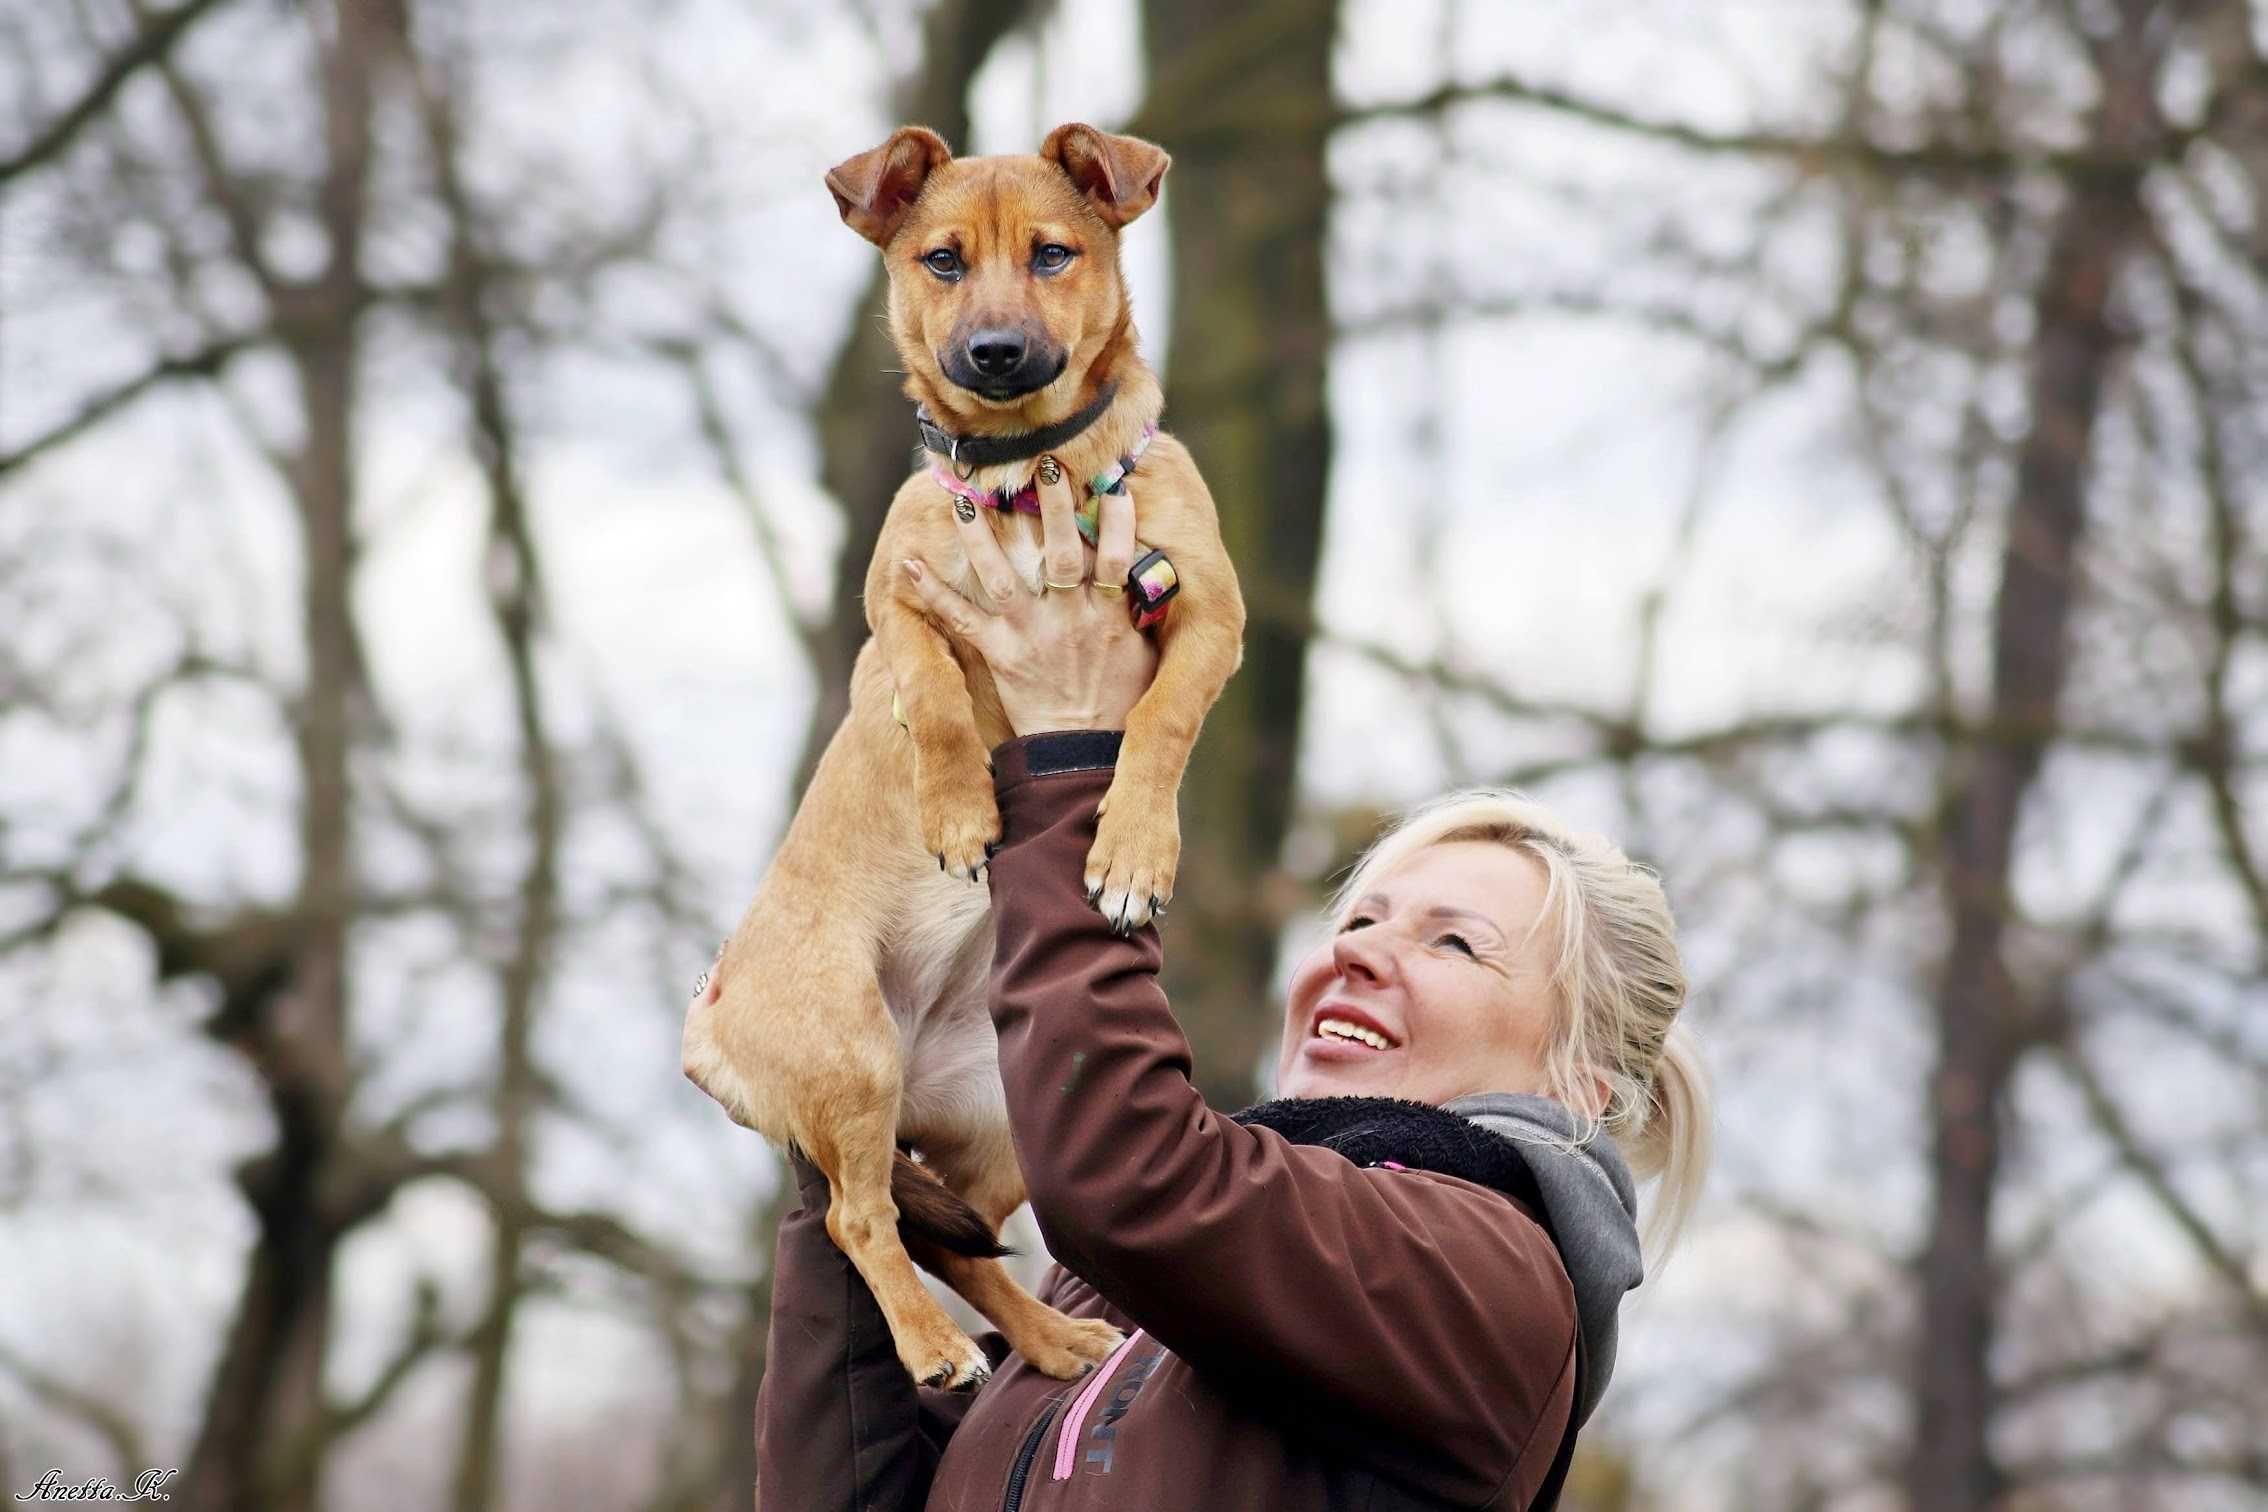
<point x="1360" y="953"/>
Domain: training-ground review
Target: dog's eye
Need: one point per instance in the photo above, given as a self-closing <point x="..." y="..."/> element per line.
<point x="1052" y="258"/>
<point x="944" y="262"/>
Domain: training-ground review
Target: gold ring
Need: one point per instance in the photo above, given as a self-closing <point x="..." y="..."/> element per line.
<point x="1062" y="587"/>
<point x="1050" y="471"/>
<point x="1115" y="590"/>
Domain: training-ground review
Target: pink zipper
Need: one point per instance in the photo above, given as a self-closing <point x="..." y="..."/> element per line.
<point x="1067" y="1445"/>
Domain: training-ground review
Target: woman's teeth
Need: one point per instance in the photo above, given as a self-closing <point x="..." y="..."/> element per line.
<point x="1341" y="1029"/>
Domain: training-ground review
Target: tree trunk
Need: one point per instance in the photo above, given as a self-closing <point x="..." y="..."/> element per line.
<point x="268" y="1381"/>
<point x="1245" y="391"/>
<point x="267" y="1389"/>
<point x="1980" y="1019"/>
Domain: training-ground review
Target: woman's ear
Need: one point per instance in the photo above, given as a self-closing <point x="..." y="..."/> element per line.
<point x="1119" y="175"/>
<point x="874" y="190"/>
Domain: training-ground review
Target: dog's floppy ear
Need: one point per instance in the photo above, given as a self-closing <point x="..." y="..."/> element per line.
<point x="1119" y="174"/>
<point x="874" y="190"/>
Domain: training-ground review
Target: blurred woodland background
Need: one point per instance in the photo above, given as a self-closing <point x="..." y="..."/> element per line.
<point x="1823" y="443"/>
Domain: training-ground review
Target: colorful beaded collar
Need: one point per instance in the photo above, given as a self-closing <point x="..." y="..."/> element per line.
<point x="1152" y="584"/>
<point x="1025" y="500"/>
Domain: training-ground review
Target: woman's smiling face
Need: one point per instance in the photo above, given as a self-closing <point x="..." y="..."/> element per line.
<point x="1435" y="985"/>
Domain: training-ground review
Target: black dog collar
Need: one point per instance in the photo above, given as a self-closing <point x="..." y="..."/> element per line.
<point x="967" y="453"/>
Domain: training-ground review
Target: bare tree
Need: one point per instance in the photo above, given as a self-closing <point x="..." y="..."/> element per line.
<point x="2034" y="257"/>
<point x="284" y="297"/>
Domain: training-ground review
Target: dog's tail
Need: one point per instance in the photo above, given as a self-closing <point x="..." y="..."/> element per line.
<point x="928" y="1209"/>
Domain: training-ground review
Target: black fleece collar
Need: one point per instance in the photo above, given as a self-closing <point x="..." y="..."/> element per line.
<point x="1374" y="1131"/>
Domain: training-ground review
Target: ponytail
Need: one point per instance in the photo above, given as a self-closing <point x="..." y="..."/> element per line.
<point x="1674" y="1142"/>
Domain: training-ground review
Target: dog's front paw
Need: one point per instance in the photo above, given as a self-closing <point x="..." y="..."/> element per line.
<point x="1069" y="1347"/>
<point x="1136" y="852"/>
<point x="960" y="819"/>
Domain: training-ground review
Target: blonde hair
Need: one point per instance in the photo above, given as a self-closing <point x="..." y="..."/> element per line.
<point x="1618" y="986"/>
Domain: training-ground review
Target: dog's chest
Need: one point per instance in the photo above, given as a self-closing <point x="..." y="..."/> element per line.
<point x="939" y="949"/>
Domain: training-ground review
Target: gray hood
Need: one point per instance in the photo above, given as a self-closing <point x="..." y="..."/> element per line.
<point x="1591" y="1204"/>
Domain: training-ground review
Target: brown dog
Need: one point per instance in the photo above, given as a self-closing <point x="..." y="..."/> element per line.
<point x="846" y="1014"/>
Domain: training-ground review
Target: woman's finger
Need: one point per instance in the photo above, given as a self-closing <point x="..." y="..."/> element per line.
<point x="993" y="574"/>
<point x="945" y="604"/>
<point x="1061" y="557"/>
<point x="1114" y="537"/>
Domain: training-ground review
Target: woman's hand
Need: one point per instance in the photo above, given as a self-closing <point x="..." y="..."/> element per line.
<point x="1064" y="658"/>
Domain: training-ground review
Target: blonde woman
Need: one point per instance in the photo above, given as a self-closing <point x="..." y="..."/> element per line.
<point x="1396" y="1286"/>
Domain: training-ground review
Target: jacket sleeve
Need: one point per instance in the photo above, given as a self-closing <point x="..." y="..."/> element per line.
<point x="1420" y="1322"/>
<point x="839" y="1425"/>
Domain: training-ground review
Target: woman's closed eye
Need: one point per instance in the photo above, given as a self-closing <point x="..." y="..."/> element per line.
<point x="1454" y="941"/>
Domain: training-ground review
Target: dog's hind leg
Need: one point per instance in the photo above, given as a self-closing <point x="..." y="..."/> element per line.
<point x="984" y="1173"/>
<point x="848" y="1126"/>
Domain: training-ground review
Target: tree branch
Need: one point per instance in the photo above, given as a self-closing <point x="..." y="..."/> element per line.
<point x="227" y="191"/>
<point x="1619" y="739"/>
<point x="150" y="45"/>
<point x="203" y="363"/>
<point x="116" y="1429"/>
<point x="2233" y="1268"/>
<point x="1846" y="151"/>
<point x="716" y="434"/>
<point x="291" y="1463"/>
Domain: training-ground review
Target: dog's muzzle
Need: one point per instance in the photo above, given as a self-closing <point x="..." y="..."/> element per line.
<point x="1003" y="362"/>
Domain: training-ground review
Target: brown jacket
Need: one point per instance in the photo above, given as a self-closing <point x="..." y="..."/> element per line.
<point x="1302" y="1332"/>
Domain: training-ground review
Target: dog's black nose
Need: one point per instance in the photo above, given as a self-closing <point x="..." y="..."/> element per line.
<point x="997" y="352"/>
